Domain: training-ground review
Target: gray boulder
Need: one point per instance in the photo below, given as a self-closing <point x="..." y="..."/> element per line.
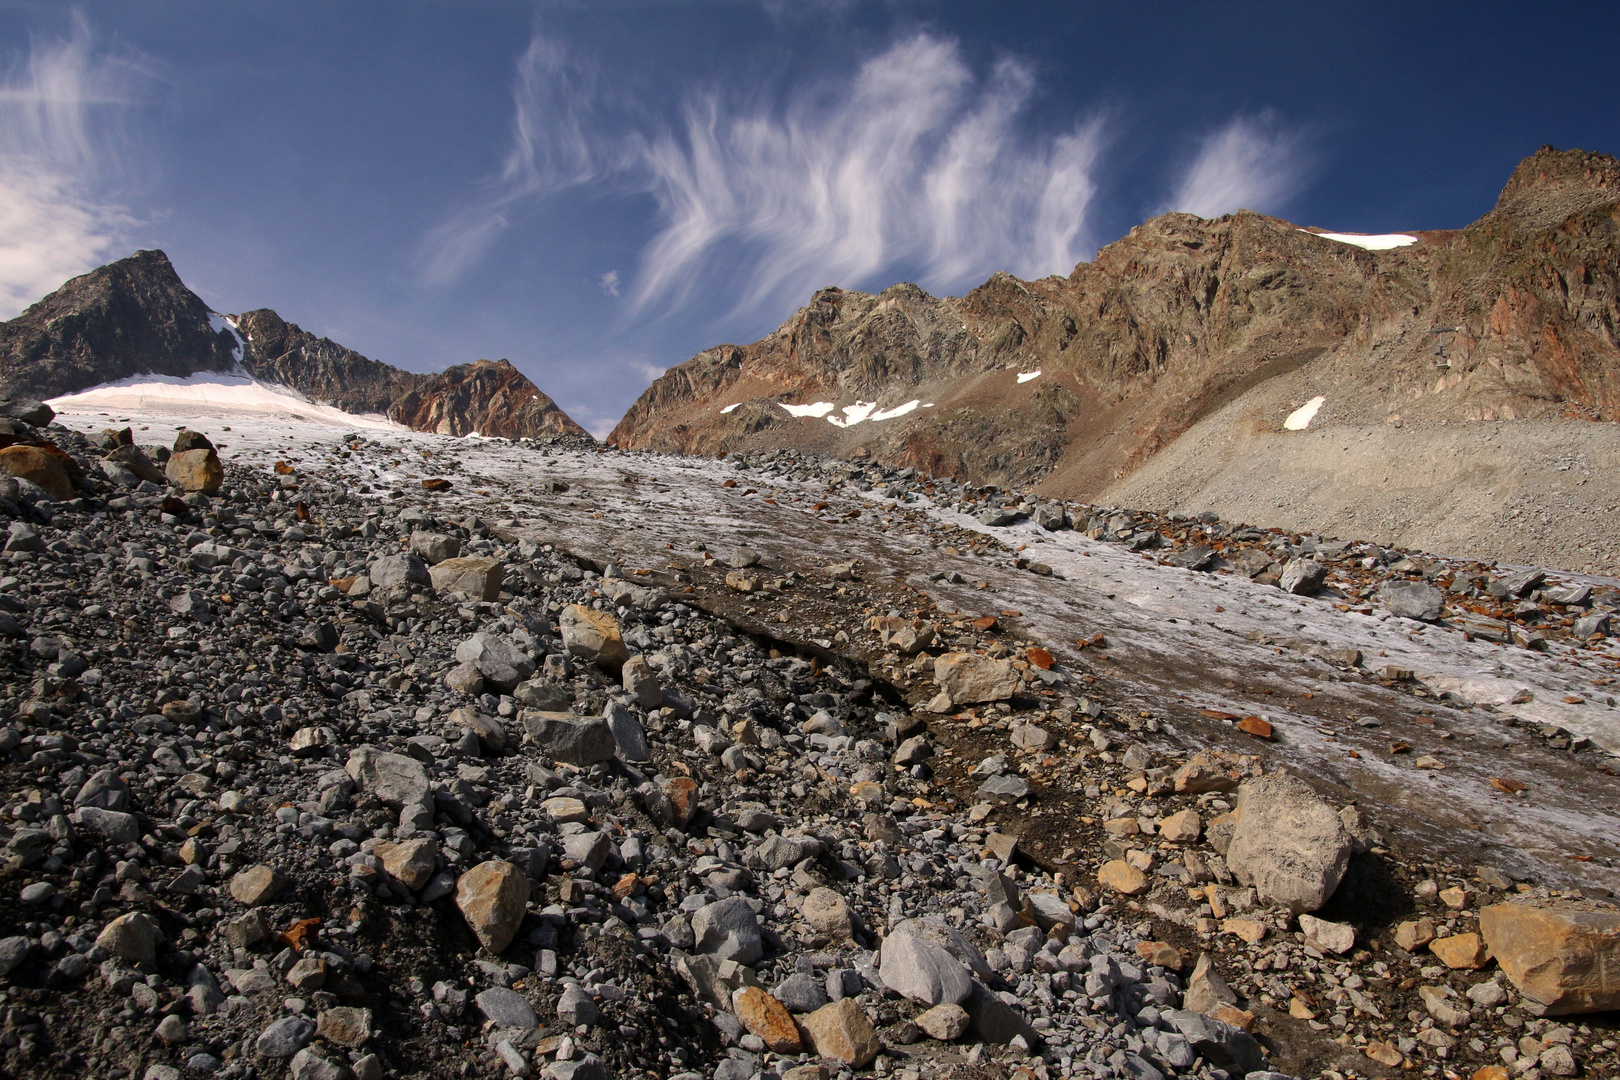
<point x="1302" y="577"/>
<point x="1412" y="600"/>
<point x="569" y="739"/>
<point x="397" y="570"/>
<point x="923" y="971"/>
<point x="728" y="929"/>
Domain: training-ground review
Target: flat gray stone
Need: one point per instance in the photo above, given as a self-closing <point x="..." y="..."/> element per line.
<point x="507" y="1008"/>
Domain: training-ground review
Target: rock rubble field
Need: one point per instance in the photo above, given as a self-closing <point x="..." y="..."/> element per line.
<point x="376" y="755"/>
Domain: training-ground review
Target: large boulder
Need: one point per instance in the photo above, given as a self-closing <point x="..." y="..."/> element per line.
<point x="393" y="779"/>
<point x="396" y="570"/>
<point x="593" y="636"/>
<point x="1288" y="844"/>
<point x="1564" y="957"/>
<point x="195" y="470"/>
<point x="728" y="929"/>
<point x="492" y="897"/>
<point x="1302" y="577"/>
<point x="923" y="971"/>
<point x="1412" y="600"/>
<point x="842" y="1032"/>
<point x="29" y="411"/>
<point x="1219" y="1043"/>
<point x="40" y="466"/>
<point x="433" y="548"/>
<point x="969" y="678"/>
<point x="569" y="739"/>
<point x="476" y="578"/>
<point x="502" y="664"/>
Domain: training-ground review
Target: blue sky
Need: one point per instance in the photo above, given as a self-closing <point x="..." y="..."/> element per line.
<point x="598" y="190"/>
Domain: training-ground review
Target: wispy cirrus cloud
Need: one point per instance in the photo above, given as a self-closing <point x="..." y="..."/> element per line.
<point x="61" y="108"/>
<point x="914" y="160"/>
<point x="1250" y="164"/>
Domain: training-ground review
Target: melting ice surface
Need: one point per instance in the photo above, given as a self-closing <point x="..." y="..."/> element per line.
<point x="1381" y="242"/>
<point x="1025" y="376"/>
<point x="1301" y="418"/>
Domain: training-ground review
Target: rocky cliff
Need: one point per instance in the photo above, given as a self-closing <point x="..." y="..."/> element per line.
<point x="126" y="318"/>
<point x="319" y="368"/>
<point x="485" y="398"/>
<point x="135" y="316"/>
<point x="1182" y="317"/>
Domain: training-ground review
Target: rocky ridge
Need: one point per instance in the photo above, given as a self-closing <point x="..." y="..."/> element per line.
<point x="310" y="776"/>
<point x="1513" y="317"/>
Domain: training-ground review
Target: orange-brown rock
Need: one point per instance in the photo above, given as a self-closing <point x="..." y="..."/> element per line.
<point x="36" y="464"/>
<point x="1122" y="877"/>
<point x="1461" y="950"/>
<point x="1564" y="956"/>
<point x="768" y="1018"/>
<point x="492" y="897"/>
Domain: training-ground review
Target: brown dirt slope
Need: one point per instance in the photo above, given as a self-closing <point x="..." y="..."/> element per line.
<point x="1175" y="322"/>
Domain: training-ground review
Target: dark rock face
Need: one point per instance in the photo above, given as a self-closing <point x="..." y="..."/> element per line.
<point x="129" y="317"/>
<point x="282" y="352"/>
<point x="486" y="398"/>
<point x="1172" y="322"/>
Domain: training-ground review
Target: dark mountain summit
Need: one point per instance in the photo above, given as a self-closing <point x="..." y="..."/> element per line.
<point x="130" y="317"/>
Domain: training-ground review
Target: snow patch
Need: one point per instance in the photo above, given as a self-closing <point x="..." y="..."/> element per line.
<point x="1381" y="242"/>
<point x="1301" y="418"/>
<point x="818" y="410"/>
<point x="224" y="324"/>
<point x="858" y="413"/>
<point x="1026" y="376"/>
<point x="213" y="392"/>
<point x="728" y="408"/>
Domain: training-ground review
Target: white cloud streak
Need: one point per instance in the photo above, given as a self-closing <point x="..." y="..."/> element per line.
<point x="59" y="142"/>
<point x="1250" y="164"/>
<point x="915" y="162"/>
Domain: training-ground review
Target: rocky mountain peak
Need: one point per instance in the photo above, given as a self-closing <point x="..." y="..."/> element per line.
<point x="129" y="317"/>
<point x="484" y="398"/>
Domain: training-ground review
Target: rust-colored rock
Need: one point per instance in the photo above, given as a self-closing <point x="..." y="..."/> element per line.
<point x="768" y="1018"/>
<point x="682" y="793"/>
<point x="1563" y="956"/>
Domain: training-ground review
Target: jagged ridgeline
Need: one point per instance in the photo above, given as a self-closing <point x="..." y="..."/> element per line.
<point x="1512" y="317"/>
<point x="136" y="317"/>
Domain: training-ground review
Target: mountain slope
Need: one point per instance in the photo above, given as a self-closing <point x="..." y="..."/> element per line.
<point x="1175" y="321"/>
